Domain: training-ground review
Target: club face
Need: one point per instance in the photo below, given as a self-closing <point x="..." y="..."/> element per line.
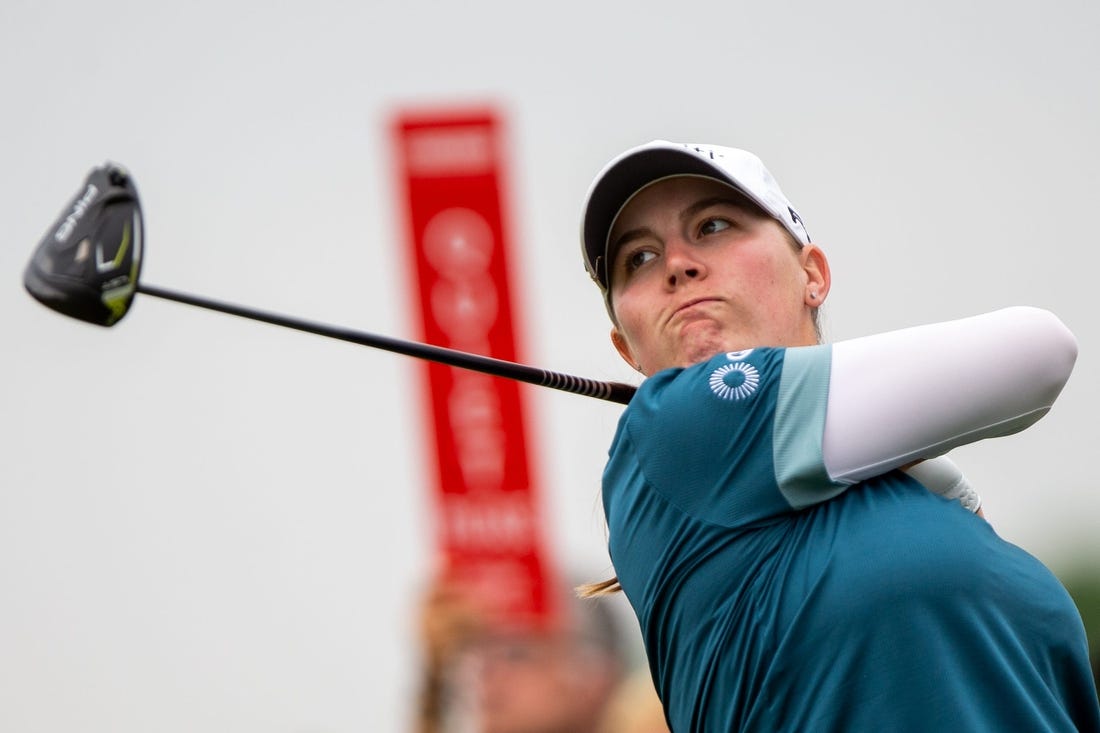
<point x="87" y="264"/>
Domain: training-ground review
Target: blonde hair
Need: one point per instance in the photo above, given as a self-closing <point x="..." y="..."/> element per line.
<point x="600" y="588"/>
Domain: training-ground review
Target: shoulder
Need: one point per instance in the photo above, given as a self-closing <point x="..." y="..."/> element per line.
<point x="730" y="383"/>
<point x="721" y="411"/>
<point x="718" y="439"/>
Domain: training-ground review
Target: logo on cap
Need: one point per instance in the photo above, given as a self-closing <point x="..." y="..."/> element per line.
<point x="706" y="152"/>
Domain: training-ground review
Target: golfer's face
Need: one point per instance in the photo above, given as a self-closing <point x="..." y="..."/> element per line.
<point x="533" y="683"/>
<point x="696" y="270"/>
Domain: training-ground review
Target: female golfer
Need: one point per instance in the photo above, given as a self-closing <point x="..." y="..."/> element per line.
<point x="785" y="576"/>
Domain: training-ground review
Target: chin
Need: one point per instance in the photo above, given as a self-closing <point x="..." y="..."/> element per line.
<point x="704" y="340"/>
<point x="698" y="356"/>
<point x="707" y="348"/>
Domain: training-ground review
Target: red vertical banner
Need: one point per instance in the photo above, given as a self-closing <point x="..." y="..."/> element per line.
<point x="489" y="530"/>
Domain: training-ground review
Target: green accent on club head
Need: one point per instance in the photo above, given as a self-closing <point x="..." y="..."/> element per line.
<point x="117" y="305"/>
<point x="122" y="247"/>
<point x="117" y="300"/>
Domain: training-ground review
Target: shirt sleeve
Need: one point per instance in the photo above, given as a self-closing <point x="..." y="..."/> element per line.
<point x="919" y="392"/>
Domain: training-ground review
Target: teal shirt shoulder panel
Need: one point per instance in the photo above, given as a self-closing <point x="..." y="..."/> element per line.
<point x="800" y="428"/>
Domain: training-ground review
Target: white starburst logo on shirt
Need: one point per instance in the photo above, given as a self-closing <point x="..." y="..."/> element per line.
<point x="734" y="381"/>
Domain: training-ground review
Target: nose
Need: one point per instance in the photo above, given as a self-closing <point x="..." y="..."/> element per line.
<point x="682" y="263"/>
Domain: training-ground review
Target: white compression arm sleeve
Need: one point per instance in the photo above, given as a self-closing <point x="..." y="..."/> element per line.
<point x="918" y="392"/>
<point x="941" y="476"/>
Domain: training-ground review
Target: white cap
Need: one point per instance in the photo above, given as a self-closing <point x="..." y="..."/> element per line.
<point x="638" y="167"/>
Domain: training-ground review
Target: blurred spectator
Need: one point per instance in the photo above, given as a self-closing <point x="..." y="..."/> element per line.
<point x="1083" y="583"/>
<point x="634" y="708"/>
<point x="482" y="676"/>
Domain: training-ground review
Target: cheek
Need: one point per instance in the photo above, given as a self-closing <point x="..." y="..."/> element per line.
<point x="780" y="280"/>
<point x="629" y="317"/>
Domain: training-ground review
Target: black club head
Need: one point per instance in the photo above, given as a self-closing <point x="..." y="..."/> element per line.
<point x="87" y="265"/>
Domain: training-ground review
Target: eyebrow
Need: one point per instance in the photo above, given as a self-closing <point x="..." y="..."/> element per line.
<point x="700" y="205"/>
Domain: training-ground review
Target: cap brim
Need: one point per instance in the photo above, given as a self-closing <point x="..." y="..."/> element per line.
<point x="621" y="180"/>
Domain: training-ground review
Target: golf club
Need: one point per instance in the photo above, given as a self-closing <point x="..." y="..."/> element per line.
<point x="88" y="266"/>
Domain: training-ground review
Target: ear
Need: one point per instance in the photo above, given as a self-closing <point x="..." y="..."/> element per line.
<point x="818" y="278"/>
<point x="623" y="348"/>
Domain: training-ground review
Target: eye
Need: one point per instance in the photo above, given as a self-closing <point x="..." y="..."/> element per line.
<point x="637" y="258"/>
<point x="713" y="225"/>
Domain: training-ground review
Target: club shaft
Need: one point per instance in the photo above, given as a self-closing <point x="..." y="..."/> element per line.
<point x="610" y="391"/>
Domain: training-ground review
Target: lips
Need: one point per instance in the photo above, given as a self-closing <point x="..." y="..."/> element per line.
<point x="691" y="304"/>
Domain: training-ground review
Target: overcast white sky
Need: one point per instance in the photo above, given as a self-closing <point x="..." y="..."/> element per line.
<point x="211" y="524"/>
